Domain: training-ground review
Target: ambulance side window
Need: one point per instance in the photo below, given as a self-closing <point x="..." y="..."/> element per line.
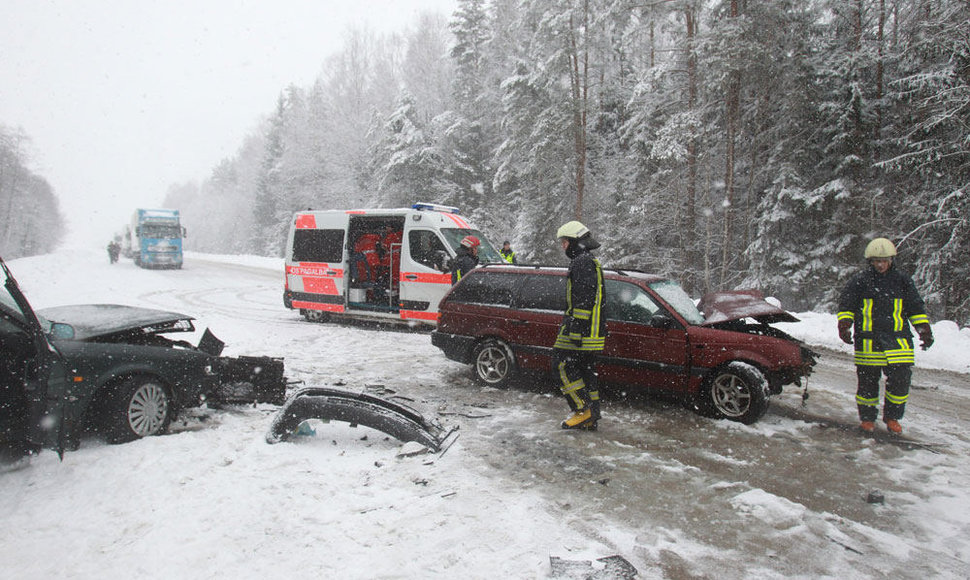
<point x="318" y="245"/>
<point x="426" y="248"/>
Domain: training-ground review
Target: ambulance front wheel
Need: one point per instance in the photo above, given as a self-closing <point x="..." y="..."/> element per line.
<point x="316" y="315"/>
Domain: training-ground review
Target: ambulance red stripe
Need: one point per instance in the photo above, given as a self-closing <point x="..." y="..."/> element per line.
<point x="426" y="278"/>
<point x="458" y="220"/>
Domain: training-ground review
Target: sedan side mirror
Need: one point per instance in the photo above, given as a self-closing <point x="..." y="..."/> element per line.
<point x="662" y="321"/>
<point x="62" y="331"/>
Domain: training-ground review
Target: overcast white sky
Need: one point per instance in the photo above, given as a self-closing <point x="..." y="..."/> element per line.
<point x="122" y="98"/>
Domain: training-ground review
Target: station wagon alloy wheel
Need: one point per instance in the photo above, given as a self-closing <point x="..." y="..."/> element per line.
<point x="494" y="364"/>
<point x="738" y="392"/>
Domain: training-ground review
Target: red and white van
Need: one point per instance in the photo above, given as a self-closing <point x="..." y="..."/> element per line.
<point x="390" y="264"/>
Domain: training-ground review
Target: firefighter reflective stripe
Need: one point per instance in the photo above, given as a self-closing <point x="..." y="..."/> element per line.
<point x="899" y="323"/>
<point x="846" y="315"/>
<point x="895" y="399"/>
<point x="590" y="339"/>
<point x="864" y="402"/>
<point x="570" y="388"/>
<point x="866" y="315"/>
<point x="919" y="319"/>
<point x="591" y="344"/>
<point x="867" y="356"/>
<point x="902" y="355"/>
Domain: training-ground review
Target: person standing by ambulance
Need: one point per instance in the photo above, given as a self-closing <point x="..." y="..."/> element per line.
<point x="879" y="304"/>
<point x="508" y="254"/>
<point x="466" y="259"/>
<point x="582" y="335"/>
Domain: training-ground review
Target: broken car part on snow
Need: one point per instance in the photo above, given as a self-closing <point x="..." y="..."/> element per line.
<point x="327" y="404"/>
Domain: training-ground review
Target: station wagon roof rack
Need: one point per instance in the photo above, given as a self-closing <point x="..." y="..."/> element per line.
<point x="620" y="271"/>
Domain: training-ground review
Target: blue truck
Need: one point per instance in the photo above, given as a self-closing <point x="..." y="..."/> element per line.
<point x="154" y="238"/>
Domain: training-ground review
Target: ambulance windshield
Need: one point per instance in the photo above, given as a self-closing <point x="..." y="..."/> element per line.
<point x="486" y="251"/>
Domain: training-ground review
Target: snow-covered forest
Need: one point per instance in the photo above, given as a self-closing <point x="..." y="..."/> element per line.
<point x="728" y="143"/>
<point x="732" y="144"/>
<point x="31" y="222"/>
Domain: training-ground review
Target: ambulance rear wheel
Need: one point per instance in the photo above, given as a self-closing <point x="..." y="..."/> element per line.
<point x="315" y="315"/>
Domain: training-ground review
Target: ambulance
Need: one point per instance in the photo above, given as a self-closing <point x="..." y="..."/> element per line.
<point x="379" y="264"/>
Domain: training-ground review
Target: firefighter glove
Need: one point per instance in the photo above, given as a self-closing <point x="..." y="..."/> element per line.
<point x="925" y="335"/>
<point x="845" y="331"/>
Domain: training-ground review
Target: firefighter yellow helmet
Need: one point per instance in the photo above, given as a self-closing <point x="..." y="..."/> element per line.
<point x="880" y="248"/>
<point x="573" y="229"/>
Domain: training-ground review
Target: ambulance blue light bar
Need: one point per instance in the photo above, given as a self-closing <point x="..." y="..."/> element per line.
<point x="421" y="206"/>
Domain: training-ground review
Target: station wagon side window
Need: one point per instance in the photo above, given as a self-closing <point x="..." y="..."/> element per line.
<point x="318" y="245"/>
<point x="542" y="293"/>
<point x="628" y="303"/>
<point x="491" y="288"/>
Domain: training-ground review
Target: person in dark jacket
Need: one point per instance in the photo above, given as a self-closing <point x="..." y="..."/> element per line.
<point x="582" y="335"/>
<point x="876" y="304"/>
<point x="508" y="254"/>
<point x="114" y="249"/>
<point x="466" y="259"/>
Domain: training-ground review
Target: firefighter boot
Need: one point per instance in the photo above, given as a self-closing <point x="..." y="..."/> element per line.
<point x="868" y="426"/>
<point x="579" y="419"/>
<point x="894" y="426"/>
<point x="594" y="409"/>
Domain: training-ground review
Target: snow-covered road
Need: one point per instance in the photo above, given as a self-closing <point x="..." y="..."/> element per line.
<point x="675" y="494"/>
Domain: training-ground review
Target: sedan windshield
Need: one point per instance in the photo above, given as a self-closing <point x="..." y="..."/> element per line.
<point x="679" y="300"/>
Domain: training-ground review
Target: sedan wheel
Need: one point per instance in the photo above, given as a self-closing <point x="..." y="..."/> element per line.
<point x="494" y="363"/>
<point x="738" y="392"/>
<point x="140" y="408"/>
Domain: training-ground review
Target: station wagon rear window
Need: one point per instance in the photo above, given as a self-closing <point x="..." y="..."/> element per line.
<point x="494" y="288"/>
<point x="543" y="293"/>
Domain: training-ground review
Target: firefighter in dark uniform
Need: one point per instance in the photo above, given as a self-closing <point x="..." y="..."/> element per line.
<point x="879" y="304"/>
<point x="466" y="259"/>
<point x="583" y="332"/>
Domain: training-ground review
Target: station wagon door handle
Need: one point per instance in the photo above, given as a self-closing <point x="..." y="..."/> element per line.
<point x="519" y="321"/>
<point x="411" y="276"/>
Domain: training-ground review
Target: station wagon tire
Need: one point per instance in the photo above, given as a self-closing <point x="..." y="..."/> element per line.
<point x="140" y="407"/>
<point x="736" y="391"/>
<point x="494" y="363"/>
<point x="315" y="315"/>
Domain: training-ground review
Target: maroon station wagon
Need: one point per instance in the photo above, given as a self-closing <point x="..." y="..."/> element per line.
<point x="502" y="319"/>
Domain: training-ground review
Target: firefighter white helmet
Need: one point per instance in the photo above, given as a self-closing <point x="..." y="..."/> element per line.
<point x="880" y="248"/>
<point x="573" y="229"/>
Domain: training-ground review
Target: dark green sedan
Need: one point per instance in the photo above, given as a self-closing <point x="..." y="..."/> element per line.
<point x="112" y="369"/>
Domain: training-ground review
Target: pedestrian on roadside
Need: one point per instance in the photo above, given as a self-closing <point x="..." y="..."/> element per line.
<point x="582" y="335"/>
<point x="876" y="308"/>
<point x="114" y="249"/>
